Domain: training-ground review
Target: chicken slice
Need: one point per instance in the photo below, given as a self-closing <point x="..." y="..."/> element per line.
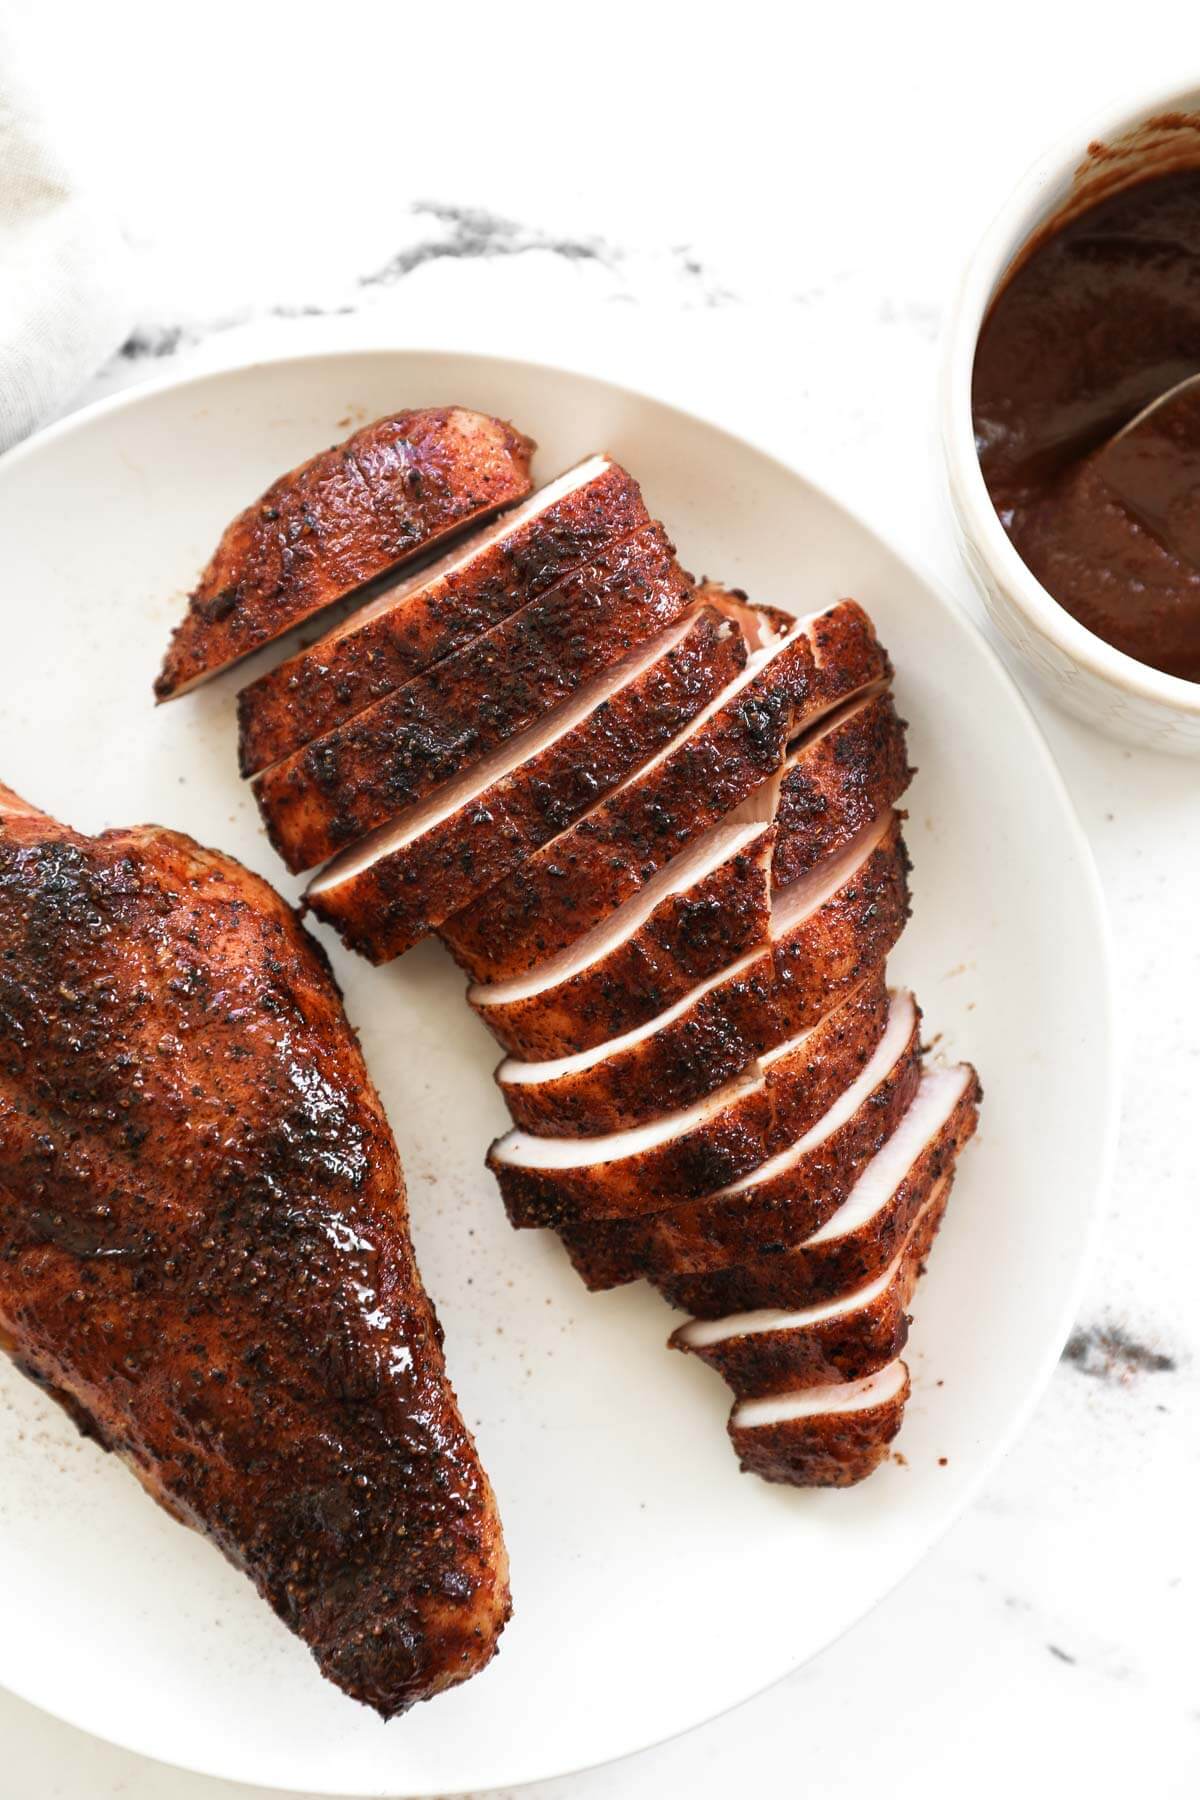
<point x="824" y="1436"/>
<point x="404" y="879"/>
<point x="836" y="781"/>
<point x="399" y="750"/>
<point x="584" y="874"/>
<point x="324" y="530"/>
<point x="428" y="615"/>
<point x="857" y="1242"/>
<point x="691" y="920"/>
<point x="825" y="933"/>
<point x="205" y="1256"/>
<point x="830" y="1096"/>
<point x="775" y="1351"/>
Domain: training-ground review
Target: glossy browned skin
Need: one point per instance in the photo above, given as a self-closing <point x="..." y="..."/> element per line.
<point x="835" y="785"/>
<point x="788" y="987"/>
<point x="846" y="1347"/>
<point x="378" y="649"/>
<point x="688" y="937"/>
<point x="711" y="1230"/>
<point x="796" y="1274"/>
<point x="387" y="494"/>
<point x="402" y="748"/>
<point x="749" y="1122"/>
<point x="204" y="1249"/>
<point x="388" y="907"/>
<point x="585" y="873"/>
<point x="831" y="1450"/>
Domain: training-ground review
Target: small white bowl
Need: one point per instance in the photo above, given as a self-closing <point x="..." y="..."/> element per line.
<point x="1100" y="685"/>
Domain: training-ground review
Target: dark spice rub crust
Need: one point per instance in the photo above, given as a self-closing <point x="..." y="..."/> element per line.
<point x="763" y="999"/>
<point x="387" y="494"/>
<point x="827" y="1450"/>
<point x="715" y="1229"/>
<point x="799" y="1274"/>
<point x="743" y="1125"/>
<point x="406" y="893"/>
<point x="845" y="1346"/>
<point x="402" y="748"/>
<point x="687" y="937"/>
<point x="836" y="784"/>
<point x="385" y="644"/>
<point x="204" y="1251"/>
<point x="587" y="872"/>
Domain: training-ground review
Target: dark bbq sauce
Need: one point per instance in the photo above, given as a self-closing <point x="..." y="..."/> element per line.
<point x="1101" y="318"/>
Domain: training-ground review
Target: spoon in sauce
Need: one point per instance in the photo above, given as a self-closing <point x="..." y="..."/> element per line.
<point x="1153" y="466"/>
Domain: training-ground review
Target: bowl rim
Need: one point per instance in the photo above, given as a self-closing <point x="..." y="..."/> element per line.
<point x="1042" y="185"/>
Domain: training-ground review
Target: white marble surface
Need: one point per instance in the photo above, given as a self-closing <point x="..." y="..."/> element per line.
<point x="766" y="224"/>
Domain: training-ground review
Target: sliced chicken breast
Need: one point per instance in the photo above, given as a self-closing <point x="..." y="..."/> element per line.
<point x="691" y="920"/>
<point x="824" y="1436"/>
<point x="399" y="750"/>
<point x="732" y="748"/>
<point x="323" y="531"/>
<point x="858" y="1241"/>
<point x="777" y="1201"/>
<point x="826" y="932"/>
<point x="403" y="880"/>
<point x="419" y="620"/>
<point x="775" y="1351"/>
<point x="608" y="1195"/>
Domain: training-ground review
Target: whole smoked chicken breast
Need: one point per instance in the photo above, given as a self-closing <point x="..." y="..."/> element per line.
<point x="205" y="1256"/>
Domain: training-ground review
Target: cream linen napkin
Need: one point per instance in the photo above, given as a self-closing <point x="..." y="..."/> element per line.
<point x="64" y="298"/>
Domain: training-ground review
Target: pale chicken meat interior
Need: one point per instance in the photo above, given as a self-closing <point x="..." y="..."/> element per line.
<point x="842" y="1397"/>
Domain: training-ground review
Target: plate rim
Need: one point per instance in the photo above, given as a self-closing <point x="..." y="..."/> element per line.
<point x="145" y="392"/>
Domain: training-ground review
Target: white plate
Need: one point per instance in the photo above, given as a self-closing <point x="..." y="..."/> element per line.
<point x="654" y="1586"/>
